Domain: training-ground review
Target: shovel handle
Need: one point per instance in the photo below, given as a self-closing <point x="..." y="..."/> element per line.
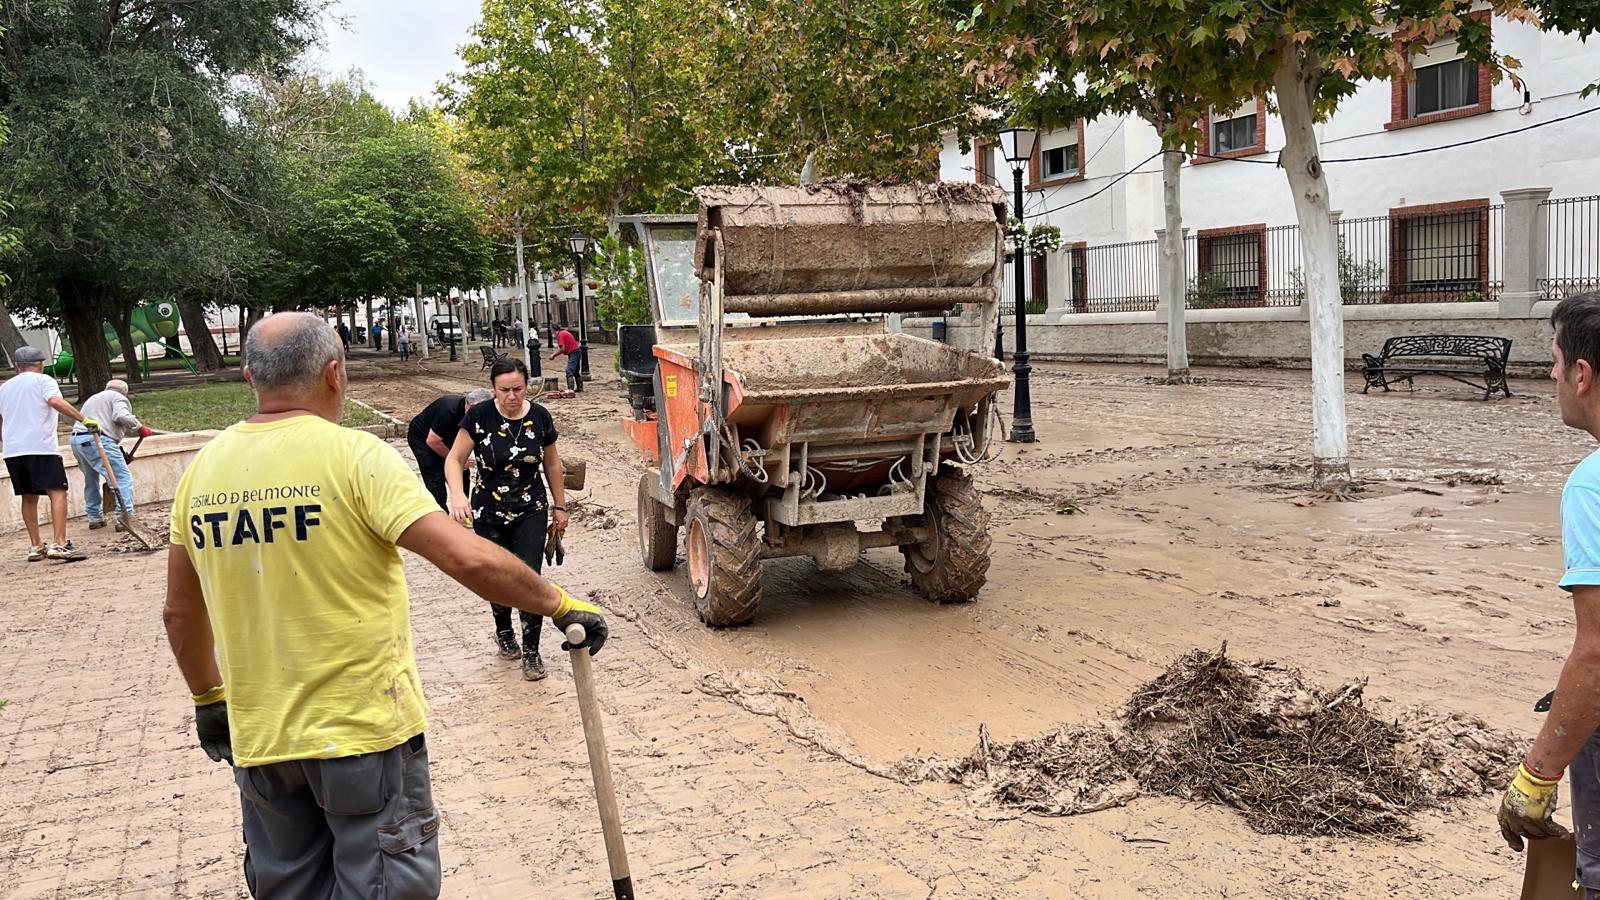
<point x="599" y="764"/>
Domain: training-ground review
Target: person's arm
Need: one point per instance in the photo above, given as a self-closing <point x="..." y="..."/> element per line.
<point x="437" y="444"/>
<point x="494" y="574"/>
<point x="1575" y="712"/>
<point x="558" y="488"/>
<point x="455" y="477"/>
<point x="125" y="418"/>
<point x="60" y="405"/>
<point x="188" y="624"/>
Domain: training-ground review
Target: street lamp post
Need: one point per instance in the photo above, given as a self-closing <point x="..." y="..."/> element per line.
<point x="549" y="311"/>
<point x="578" y="243"/>
<point x="450" y="302"/>
<point x="1017" y="144"/>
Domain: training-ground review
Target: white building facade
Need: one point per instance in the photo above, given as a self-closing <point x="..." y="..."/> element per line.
<point x="1442" y="225"/>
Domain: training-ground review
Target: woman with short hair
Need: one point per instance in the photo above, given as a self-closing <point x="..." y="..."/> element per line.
<point x="513" y="441"/>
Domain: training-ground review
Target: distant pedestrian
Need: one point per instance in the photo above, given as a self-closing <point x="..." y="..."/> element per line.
<point x="405" y="341"/>
<point x="344" y="336"/>
<point x="516" y="331"/>
<point x="567" y="345"/>
<point x="29" y="406"/>
<point x="115" y="414"/>
<point x="499" y="333"/>
<point x="377" y="335"/>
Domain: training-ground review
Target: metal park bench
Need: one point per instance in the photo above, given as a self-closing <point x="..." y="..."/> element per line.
<point x="490" y="357"/>
<point x="1404" y="358"/>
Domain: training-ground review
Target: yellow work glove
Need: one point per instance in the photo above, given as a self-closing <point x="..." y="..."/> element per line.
<point x="1528" y="809"/>
<point x="91" y="424"/>
<point x="572" y="611"/>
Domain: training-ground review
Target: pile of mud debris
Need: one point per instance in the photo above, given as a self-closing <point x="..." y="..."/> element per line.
<point x="1293" y="759"/>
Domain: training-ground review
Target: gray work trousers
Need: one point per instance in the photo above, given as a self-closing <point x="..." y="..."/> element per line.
<point x="341" y="829"/>
<point x="1584" y="777"/>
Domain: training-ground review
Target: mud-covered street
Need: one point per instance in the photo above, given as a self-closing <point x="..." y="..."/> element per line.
<point x="1147" y="521"/>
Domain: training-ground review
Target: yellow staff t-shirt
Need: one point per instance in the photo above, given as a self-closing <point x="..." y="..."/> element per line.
<point x="292" y="527"/>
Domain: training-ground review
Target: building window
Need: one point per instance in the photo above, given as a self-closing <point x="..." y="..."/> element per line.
<point x="983" y="162"/>
<point x="1444" y="81"/>
<point x="1233" y="267"/>
<point x="1237" y="131"/>
<point x="1439" y="252"/>
<point x="1060" y="162"/>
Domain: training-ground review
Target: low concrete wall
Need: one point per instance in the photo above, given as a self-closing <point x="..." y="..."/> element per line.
<point x="161" y="461"/>
<point x="1262" y="337"/>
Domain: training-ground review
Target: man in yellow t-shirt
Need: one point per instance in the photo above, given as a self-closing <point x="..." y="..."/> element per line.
<point x="287" y="613"/>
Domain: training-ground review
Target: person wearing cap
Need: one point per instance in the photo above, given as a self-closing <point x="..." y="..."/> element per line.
<point x="30" y="407"/>
<point x="112" y="410"/>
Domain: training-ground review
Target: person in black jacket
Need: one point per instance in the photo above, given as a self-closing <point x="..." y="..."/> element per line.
<point x="432" y="433"/>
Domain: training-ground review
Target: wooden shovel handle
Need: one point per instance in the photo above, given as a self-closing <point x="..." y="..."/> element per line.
<point x="599" y="764"/>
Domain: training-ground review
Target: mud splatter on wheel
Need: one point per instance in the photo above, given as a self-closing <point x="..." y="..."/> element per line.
<point x="952" y="565"/>
<point x="658" y="538"/>
<point x="724" y="551"/>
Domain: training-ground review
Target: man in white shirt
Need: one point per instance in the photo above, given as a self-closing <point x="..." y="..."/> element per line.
<point x="112" y="410"/>
<point x="30" y="404"/>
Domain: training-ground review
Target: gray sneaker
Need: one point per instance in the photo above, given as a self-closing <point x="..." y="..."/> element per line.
<point x="36" y="553"/>
<point x="65" y="553"/>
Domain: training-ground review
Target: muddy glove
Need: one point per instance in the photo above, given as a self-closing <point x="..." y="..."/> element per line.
<point x="1528" y="808"/>
<point x="211" y="723"/>
<point x="573" y="611"/>
<point x="554" y="553"/>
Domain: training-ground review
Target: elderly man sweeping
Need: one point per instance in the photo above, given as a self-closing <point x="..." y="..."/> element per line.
<point x="111" y="409"/>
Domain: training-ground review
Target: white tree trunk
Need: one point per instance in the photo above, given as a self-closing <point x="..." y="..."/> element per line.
<point x="522" y="298"/>
<point x="422" y="324"/>
<point x="1319" y="250"/>
<point x="1174" y="276"/>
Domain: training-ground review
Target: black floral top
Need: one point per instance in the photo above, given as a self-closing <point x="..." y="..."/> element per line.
<point x="510" y="458"/>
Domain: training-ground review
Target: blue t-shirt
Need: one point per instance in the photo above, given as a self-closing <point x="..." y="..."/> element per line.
<point x="1580" y="524"/>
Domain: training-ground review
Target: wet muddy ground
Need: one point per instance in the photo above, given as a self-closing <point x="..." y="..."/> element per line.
<point x="1147" y="521"/>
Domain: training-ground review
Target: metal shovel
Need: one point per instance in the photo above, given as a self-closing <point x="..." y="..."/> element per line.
<point x="599" y="765"/>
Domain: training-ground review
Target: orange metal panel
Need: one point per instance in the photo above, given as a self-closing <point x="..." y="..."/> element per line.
<point x="643" y="435"/>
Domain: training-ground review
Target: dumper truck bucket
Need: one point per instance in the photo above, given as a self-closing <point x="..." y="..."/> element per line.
<point x="845" y="248"/>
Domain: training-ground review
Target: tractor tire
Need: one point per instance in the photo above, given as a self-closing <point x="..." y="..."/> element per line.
<point x="724" y="552"/>
<point x="658" y="538"/>
<point x="952" y="565"/>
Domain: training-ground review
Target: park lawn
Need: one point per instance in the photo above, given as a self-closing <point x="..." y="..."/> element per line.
<point x="205" y="406"/>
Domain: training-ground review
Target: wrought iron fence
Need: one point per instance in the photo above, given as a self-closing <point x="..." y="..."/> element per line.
<point x="1241" y="268"/>
<point x="1572" y="264"/>
<point x="1112" y="277"/>
<point x="1449" y="255"/>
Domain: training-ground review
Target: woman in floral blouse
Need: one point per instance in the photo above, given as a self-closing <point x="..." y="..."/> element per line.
<point x="513" y="442"/>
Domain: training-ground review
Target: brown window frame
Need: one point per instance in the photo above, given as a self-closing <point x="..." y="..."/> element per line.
<point x="1036" y="166"/>
<point x="1400" y="93"/>
<point x="1260" y="146"/>
<point x="1399" y="279"/>
<point x="1205" y="237"/>
<point x="980" y="163"/>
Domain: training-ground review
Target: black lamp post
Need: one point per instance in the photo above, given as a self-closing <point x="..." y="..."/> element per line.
<point x="1017" y="143"/>
<point x="549" y="312"/>
<point x="578" y="242"/>
<point x="450" y="302"/>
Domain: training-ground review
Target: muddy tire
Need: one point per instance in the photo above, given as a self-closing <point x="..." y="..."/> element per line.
<point x="952" y="565"/>
<point x="658" y="538"/>
<point x="723" y="547"/>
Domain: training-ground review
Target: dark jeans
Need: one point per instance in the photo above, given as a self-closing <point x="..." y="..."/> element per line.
<point x="1584" y="776"/>
<point x="525" y="539"/>
<point x="432" y="469"/>
<point x="332" y="829"/>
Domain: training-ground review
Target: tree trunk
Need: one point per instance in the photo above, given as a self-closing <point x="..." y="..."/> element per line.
<point x="252" y="315"/>
<point x="1296" y="84"/>
<point x="370" y="342"/>
<point x="207" y="358"/>
<point x="1174" y="276"/>
<point x="81" y="314"/>
<point x="130" y="351"/>
<point x="10" y="335"/>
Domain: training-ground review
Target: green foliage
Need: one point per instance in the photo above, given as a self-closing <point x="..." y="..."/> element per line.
<point x="1356" y="276"/>
<point x="622" y="296"/>
<point x="207" y="406"/>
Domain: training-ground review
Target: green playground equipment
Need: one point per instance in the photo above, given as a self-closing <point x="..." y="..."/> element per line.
<point x="156" y="322"/>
